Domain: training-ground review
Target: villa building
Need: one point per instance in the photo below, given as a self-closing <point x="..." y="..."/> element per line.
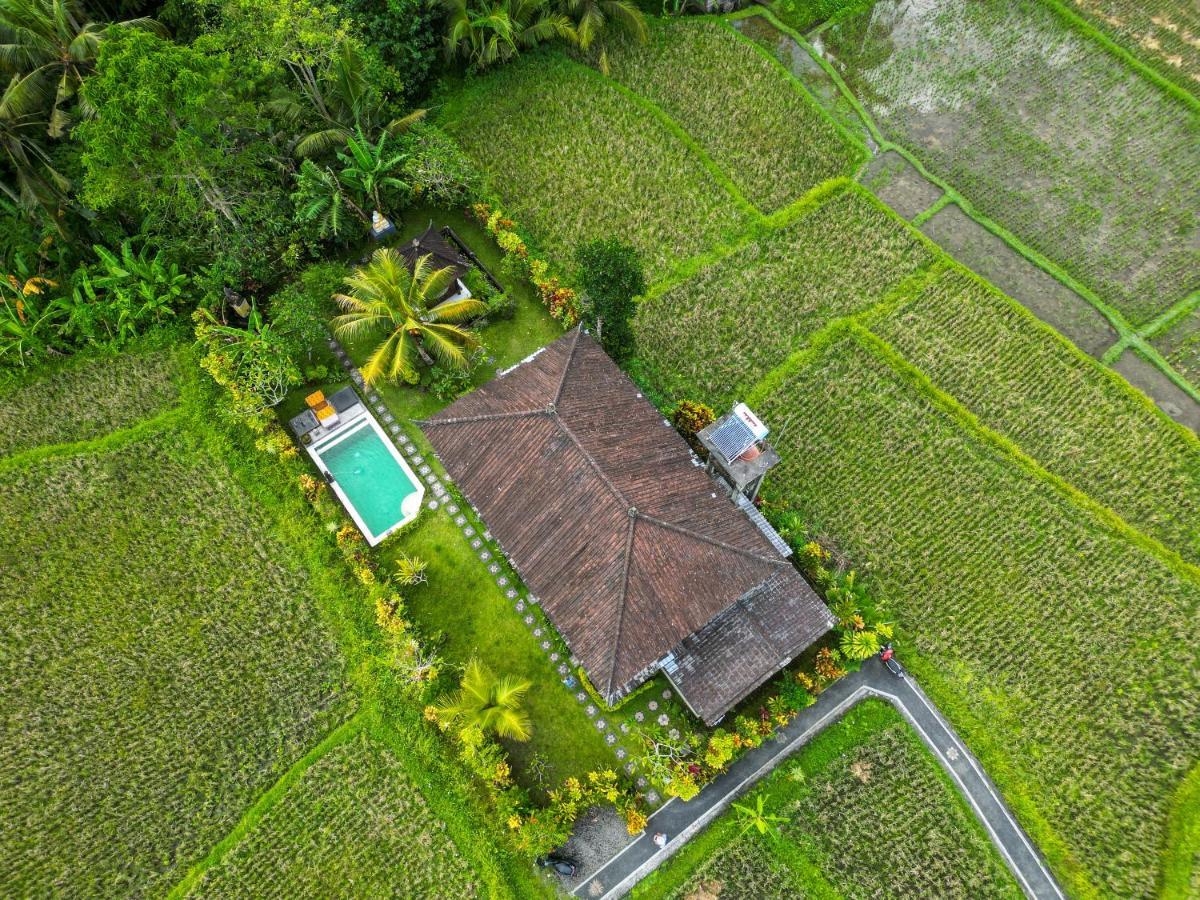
<point x="642" y="562"/>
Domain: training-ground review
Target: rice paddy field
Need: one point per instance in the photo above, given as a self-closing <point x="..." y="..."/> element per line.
<point x="1043" y="130"/>
<point x="111" y="394"/>
<point x="174" y="666"/>
<point x="355" y="823"/>
<point x="718" y="332"/>
<point x="866" y="812"/>
<point x="573" y="158"/>
<point x="755" y="121"/>
<point x="1080" y="421"/>
<point x="1007" y="586"/>
<point x="1164" y="34"/>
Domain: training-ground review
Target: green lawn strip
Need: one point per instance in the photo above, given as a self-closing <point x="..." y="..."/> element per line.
<point x="1126" y="331"/>
<point x="114" y="440"/>
<point x="340" y="735"/>
<point x="466" y="615"/>
<point x="1081" y="26"/>
<point x="718" y="174"/>
<point x="1181" y="867"/>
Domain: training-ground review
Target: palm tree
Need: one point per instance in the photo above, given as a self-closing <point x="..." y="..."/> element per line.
<point x="345" y="101"/>
<point x="594" y="19"/>
<point x="370" y="168"/>
<point x="484" y="33"/>
<point x="384" y="296"/>
<point x="53" y="39"/>
<point x="491" y="704"/>
<point x="321" y="198"/>
<point x="34" y="180"/>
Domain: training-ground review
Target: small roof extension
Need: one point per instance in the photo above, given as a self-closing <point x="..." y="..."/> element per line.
<point x="623" y="537"/>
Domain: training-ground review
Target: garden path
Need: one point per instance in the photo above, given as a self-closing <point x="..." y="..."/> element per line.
<point x="682" y="821"/>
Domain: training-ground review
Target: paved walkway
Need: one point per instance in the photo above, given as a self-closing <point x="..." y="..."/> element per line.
<point x="681" y="821"/>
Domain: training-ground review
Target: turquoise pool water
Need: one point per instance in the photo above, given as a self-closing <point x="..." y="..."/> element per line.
<point x="371" y="478"/>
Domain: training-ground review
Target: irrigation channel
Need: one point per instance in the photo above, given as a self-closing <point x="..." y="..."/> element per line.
<point x="683" y="821"/>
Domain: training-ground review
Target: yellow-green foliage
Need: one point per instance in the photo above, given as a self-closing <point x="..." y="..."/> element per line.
<point x="86" y="401"/>
<point x="164" y="663"/>
<point x="1077" y="419"/>
<point x="574" y="159"/>
<point x="747" y="113"/>
<point x="354" y="825"/>
<point x="716" y="334"/>
<point x="1061" y="646"/>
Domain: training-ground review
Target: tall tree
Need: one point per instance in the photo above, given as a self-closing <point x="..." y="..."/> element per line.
<point x="610" y="272"/>
<point x="384" y="297"/>
<point x="55" y="40"/>
<point x="164" y="136"/>
<point x="487" y="702"/>
<point x="34" y="181"/>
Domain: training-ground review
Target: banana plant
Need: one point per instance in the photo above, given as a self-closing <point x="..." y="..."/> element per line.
<point x="27" y="314"/>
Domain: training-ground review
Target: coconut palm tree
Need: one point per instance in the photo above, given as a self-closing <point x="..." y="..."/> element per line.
<point x="486" y="32"/>
<point x="595" y="20"/>
<point x="384" y="297"/>
<point x="33" y="182"/>
<point x="345" y="101"/>
<point x="53" y="39"/>
<point x="491" y="704"/>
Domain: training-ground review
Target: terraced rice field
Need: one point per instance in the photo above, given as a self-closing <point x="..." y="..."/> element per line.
<point x="575" y="159"/>
<point x="151" y="619"/>
<point x="976" y="556"/>
<point x="86" y="401"/>
<point x="1078" y="420"/>
<point x="837" y="798"/>
<point x="748" y="114"/>
<point x="717" y="333"/>
<point x="1044" y="131"/>
<point x="354" y="824"/>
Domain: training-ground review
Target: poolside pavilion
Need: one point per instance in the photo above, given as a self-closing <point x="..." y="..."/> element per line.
<point x="641" y="562"/>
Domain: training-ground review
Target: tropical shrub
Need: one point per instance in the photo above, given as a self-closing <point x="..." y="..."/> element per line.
<point x="488" y="703"/>
<point x="252" y="363"/>
<point x="404" y="32"/>
<point x="690" y="417"/>
<point x="437" y="171"/>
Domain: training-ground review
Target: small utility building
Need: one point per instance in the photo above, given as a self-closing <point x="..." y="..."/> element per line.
<point x="640" y="560"/>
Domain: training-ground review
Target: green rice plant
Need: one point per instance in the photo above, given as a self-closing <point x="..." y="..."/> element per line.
<point x="164" y="663"/>
<point x="1058" y="642"/>
<point x="355" y="824"/>
<point x="1075" y="417"/>
<point x="1180" y="344"/>
<point x="714" y="335"/>
<point x="867" y="813"/>
<point x="1163" y="34"/>
<point x="86" y="401"/>
<point x="573" y="159"/>
<point x="755" y="121"/>
<point x="1083" y="158"/>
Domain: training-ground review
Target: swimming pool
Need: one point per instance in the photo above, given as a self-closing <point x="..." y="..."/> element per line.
<point x="370" y="477"/>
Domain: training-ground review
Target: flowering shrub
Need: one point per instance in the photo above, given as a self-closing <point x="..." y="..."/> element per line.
<point x="560" y="300"/>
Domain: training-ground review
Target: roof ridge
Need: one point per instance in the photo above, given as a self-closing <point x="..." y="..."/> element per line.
<point x="482" y="417"/>
<point x="708" y="539"/>
<point x="562" y="382"/>
<point x="623" y="600"/>
<point x="591" y="460"/>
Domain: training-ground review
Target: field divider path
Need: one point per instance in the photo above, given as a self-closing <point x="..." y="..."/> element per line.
<point x="682" y="821"/>
<point x="707" y="162"/>
<point x="113" y="440"/>
<point x="344" y="732"/>
<point x="1128" y="334"/>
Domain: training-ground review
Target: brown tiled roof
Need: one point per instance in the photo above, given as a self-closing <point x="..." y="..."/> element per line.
<point x="598" y="503"/>
<point x="432" y="243"/>
<point x="747" y="643"/>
